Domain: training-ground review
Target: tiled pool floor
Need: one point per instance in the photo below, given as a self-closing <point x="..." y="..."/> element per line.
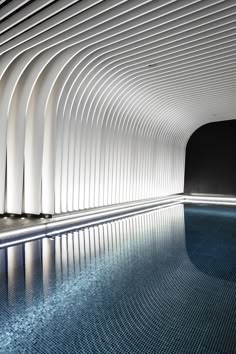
<point x="159" y="282"/>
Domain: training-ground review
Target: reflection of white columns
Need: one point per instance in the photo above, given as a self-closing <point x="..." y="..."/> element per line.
<point x="110" y="237"/>
<point x="91" y="242"/>
<point x="96" y="242"/>
<point x="58" y="259"/>
<point x="101" y="238"/>
<point x="48" y="264"/>
<point x="64" y="255"/>
<point x="76" y="252"/>
<point x="3" y="273"/>
<point x="3" y="259"/>
<point x="33" y="262"/>
<point x="68" y="254"/>
<point x="15" y="271"/>
<point x="82" y="249"/>
<point x="87" y="248"/>
<point x="70" y="251"/>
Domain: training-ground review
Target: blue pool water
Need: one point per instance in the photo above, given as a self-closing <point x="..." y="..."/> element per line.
<point x="159" y="282"/>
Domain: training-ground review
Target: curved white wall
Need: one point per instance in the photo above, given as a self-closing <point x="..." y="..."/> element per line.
<point x="98" y="98"/>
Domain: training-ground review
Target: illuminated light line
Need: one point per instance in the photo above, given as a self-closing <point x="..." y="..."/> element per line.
<point x="111" y="218"/>
<point x="210" y="200"/>
<point x="104" y="210"/>
<point x="104" y="216"/>
<point x="80" y="223"/>
<point x="23" y="240"/>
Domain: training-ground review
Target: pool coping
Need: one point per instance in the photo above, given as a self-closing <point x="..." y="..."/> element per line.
<point x="62" y="223"/>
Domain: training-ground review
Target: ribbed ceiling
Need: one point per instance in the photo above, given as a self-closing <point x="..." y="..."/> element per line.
<point x="182" y="50"/>
<point x="161" y="67"/>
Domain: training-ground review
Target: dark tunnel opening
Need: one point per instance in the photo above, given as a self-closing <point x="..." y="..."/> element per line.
<point x="210" y="165"/>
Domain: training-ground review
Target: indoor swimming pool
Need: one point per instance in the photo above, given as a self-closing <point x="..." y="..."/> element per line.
<point x="159" y="282"/>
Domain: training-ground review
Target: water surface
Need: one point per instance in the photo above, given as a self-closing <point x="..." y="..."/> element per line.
<point x="159" y="282"/>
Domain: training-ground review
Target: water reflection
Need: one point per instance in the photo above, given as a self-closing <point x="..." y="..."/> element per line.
<point x="212" y="249"/>
<point x="125" y="286"/>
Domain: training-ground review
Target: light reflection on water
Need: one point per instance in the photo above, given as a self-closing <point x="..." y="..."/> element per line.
<point x="127" y="286"/>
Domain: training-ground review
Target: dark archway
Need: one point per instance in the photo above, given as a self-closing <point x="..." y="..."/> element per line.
<point x="211" y="159"/>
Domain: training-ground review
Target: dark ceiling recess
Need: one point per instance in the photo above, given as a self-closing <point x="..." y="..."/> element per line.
<point x="211" y="159"/>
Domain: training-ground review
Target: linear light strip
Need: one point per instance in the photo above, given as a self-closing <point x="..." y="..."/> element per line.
<point x="78" y="222"/>
<point x="210" y="200"/>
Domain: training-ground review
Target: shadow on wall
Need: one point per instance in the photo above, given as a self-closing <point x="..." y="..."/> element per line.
<point x="210" y="159"/>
